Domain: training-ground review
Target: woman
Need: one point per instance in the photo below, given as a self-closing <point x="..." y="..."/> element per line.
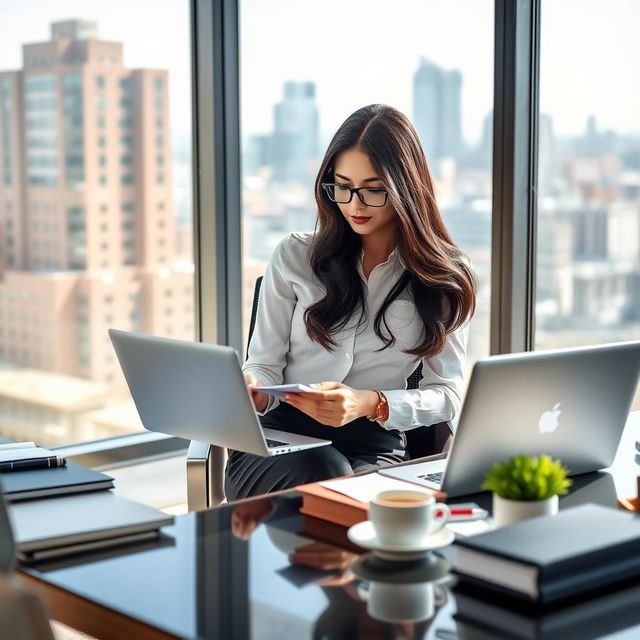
<point x="354" y="308"/>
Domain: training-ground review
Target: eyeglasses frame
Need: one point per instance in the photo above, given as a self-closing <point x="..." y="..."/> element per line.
<point x="327" y="185"/>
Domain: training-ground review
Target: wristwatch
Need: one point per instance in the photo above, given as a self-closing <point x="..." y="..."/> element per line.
<point x="380" y="408"/>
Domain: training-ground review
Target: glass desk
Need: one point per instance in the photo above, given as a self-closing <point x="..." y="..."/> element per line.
<point x="258" y="569"/>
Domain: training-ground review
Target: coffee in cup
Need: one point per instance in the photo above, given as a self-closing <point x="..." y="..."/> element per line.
<point x="405" y="517"/>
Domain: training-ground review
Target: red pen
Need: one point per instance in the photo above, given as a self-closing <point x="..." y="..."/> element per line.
<point x="464" y="513"/>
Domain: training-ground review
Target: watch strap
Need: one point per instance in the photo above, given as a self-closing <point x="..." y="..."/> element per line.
<point x="380" y="408"/>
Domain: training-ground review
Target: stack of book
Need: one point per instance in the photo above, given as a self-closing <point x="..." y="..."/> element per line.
<point x="24" y="456"/>
<point x="552" y="558"/>
<point x="33" y="472"/>
<point x="46" y="529"/>
<point x="78" y="515"/>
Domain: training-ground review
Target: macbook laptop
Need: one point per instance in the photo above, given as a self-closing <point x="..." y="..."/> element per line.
<point x="197" y="391"/>
<point x="571" y="404"/>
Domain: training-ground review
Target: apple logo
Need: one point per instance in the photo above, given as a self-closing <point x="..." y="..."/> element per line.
<point x="549" y="419"/>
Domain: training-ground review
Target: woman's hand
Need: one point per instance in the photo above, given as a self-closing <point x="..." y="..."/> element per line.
<point x="327" y="557"/>
<point x="260" y="400"/>
<point x="334" y="404"/>
<point x="248" y="515"/>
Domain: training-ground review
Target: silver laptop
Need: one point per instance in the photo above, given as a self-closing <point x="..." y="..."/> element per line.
<point x="196" y="391"/>
<point x="571" y="404"/>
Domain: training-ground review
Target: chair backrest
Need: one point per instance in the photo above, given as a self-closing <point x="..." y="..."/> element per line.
<point x="421" y="441"/>
<point x="254" y="310"/>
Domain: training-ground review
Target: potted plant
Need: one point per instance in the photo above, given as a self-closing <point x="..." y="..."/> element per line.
<point x="525" y="486"/>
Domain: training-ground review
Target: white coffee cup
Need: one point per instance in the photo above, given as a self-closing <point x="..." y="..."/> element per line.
<point x="404" y="602"/>
<point x="404" y="517"/>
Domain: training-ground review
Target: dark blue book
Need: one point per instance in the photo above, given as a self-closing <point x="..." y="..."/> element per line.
<point x="550" y="558"/>
<point x="40" y="483"/>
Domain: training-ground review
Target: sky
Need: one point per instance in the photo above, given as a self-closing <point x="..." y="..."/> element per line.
<point x="590" y="64"/>
<point x="360" y="52"/>
<point x="364" y="51"/>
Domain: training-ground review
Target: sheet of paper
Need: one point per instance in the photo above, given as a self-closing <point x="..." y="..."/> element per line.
<point x="469" y="527"/>
<point x="17" y="445"/>
<point x="279" y="390"/>
<point x="363" y="488"/>
<point x="12" y="455"/>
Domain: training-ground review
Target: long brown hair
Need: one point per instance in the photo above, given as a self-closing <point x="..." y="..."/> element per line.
<point x="437" y="275"/>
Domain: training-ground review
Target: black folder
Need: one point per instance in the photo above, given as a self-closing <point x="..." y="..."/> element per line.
<point x="40" y="483"/>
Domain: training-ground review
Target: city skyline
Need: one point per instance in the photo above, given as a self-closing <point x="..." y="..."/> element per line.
<point x="93" y="256"/>
<point x="454" y="35"/>
<point x="590" y="182"/>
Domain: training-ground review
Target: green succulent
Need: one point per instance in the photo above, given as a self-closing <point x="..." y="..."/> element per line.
<point x="527" y="478"/>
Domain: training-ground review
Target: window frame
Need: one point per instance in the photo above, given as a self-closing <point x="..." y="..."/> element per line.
<point x="217" y="177"/>
<point x="515" y="161"/>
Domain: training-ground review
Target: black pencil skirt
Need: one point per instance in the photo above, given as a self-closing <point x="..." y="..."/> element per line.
<point x="360" y="445"/>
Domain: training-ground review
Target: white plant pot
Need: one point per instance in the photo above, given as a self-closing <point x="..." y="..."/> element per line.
<point x="510" y="511"/>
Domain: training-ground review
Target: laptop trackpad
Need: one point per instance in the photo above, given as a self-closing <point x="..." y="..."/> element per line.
<point x="294" y="438"/>
<point x="425" y="473"/>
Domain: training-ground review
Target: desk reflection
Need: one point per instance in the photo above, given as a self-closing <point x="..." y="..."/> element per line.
<point x="320" y="590"/>
<point x="483" y="616"/>
<point x="260" y="570"/>
<point x="597" y="487"/>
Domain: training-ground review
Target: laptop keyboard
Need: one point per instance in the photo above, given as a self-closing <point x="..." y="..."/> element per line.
<point x="276" y="443"/>
<point x="436" y="478"/>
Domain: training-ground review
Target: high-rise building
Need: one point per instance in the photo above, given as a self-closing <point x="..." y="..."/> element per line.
<point x="87" y="221"/>
<point x="294" y="143"/>
<point x="437" y="110"/>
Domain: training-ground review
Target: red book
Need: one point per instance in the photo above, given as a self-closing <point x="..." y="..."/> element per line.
<point x="330" y="532"/>
<point x="326" y="504"/>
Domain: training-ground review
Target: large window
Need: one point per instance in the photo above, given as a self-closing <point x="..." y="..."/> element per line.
<point x="95" y="215"/>
<point x="588" y="243"/>
<point x="307" y="66"/>
<point x="95" y="208"/>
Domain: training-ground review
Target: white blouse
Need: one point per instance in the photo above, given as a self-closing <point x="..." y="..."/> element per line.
<point x="281" y="352"/>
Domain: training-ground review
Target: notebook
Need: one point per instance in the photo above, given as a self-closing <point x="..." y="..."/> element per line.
<point x="40" y="483"/>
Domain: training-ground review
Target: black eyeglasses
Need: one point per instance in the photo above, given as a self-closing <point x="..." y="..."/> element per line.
<point x="342" y="194"/>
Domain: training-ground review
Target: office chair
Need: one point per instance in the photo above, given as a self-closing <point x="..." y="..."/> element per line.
<point x="22" y="616"/>
<point x="206" y="462"/>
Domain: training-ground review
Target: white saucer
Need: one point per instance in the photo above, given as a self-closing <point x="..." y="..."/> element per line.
<point x="364" y="535"/>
